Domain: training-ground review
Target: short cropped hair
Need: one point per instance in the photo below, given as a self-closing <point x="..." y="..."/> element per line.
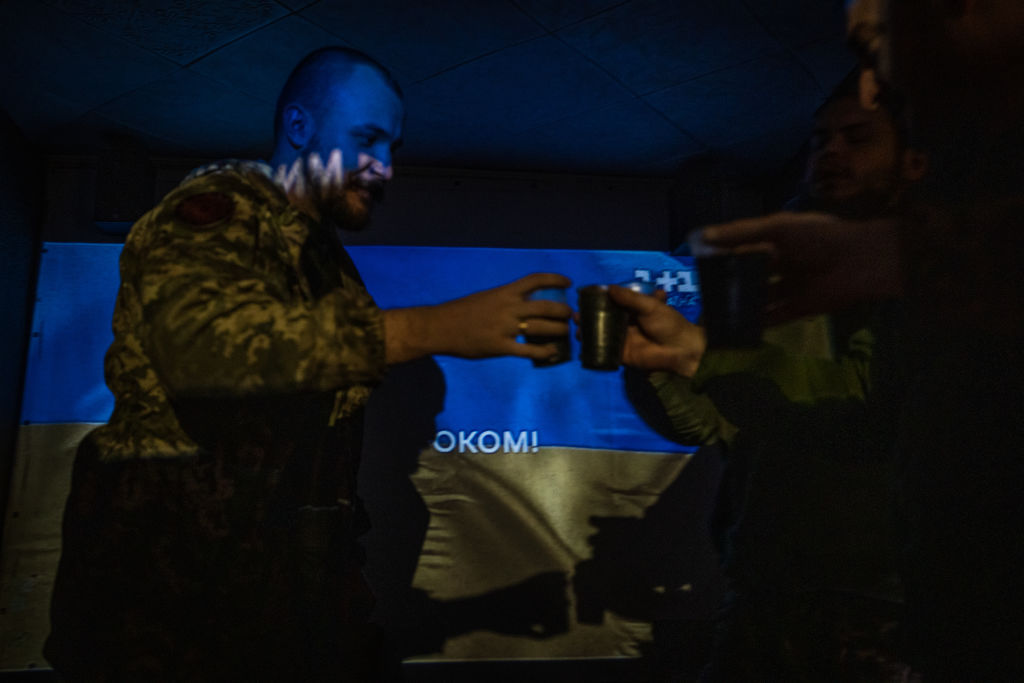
<point x="332" y="64"/>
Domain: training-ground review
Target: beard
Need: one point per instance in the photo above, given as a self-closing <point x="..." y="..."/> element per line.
<point x="351" y="207"/>
<point x="347" y="204"/>
<point x="838" y="192"/>
<point x="348" y="207"/>
<point x="866" y="205"/>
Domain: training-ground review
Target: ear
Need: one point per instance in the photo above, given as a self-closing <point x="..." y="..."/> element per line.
<point x="914" y="165"/>
<point x="298" y="125"/>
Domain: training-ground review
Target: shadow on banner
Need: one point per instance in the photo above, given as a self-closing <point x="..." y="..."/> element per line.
<point x="522" y="512"/>
<point x="518" y="512"/>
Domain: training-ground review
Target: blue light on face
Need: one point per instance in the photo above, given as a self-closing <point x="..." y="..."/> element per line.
<point x="363" y="119"/>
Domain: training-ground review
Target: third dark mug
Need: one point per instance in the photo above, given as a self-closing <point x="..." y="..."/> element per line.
<point x="603" y="326"/>
<point x="733" y="291"/>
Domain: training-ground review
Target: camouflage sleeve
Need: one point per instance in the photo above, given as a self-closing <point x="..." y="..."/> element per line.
<point x="688" y="414"/>
<point x="221" y="310"/>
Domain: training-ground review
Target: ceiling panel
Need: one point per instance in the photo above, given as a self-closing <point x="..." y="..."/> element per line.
<point x="555" y="14"/>
<point x="259" y="64"/>
<point x="297" y="4"/>
<point x="766" y="153"/>
<point x="515" y="89"/>
<point x="628" y="138"/>
<point x="826" y="63"/>
<point x="797" y="22"/>
<point x="56" y="68"/>
<point x="419" y="39"/>
<point x="649" y="45"/>
<point x="182" y="30"/>
<point x="519" y="84"/>
<point x="198" y="114"/>
<point x="742" y="102"/>
<point x="94" y="131"/>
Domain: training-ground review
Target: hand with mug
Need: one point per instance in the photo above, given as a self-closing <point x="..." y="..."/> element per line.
<point x="658" y="336"/>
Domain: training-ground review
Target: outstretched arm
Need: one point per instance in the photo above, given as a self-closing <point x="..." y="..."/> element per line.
<point x="823" y="263"/>
<point x="479" y="325"/>
<point x="659" y="337"/>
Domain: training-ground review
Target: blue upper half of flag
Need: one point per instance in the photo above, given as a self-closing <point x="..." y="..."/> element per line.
<point x="561" y="405"/>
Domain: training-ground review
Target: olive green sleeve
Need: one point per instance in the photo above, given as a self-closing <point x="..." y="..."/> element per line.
<point x="684" y="412"/>
<point x="801" y="378"/>
<point x="693" y="417"/>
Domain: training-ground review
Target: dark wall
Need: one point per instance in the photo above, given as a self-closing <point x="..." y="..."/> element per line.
<point x="458" y="207"/>
<point x="423" y="207"/>
<point x="20" y="203"/>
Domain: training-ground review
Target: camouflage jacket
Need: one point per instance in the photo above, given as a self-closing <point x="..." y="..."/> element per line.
<point x="210" y="531"/>
<point x="229" y="294"/>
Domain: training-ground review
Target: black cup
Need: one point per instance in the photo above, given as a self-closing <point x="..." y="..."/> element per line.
<point x="732" y="290"/>
<point x="563" y="349"/>
<point x="603" y="326"/>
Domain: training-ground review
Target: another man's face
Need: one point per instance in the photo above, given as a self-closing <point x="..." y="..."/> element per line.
<point x="906" y="47"/>
<point x="362" y="123"/>
<point x="855" y="161"/>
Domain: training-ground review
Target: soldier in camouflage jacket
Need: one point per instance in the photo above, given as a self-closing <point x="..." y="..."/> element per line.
<point x="210" y="533"/>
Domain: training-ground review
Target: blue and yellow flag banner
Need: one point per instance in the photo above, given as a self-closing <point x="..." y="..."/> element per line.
<point x="502" y="404"/>
<point x="532" y="502"/>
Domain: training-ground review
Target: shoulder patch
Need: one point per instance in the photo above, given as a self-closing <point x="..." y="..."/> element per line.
<point x="205" y="208"/>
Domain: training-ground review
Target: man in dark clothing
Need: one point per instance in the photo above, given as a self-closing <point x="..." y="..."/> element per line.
<point x="801" y="527"/>
<point x="958" y="372"/>
<point x="210" y="532"/>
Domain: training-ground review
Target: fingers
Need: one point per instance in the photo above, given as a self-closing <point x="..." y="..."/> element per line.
<point x="634" y="301"/>
<point x="754" y="233"/>
<point x="541" y="308"/>
<point x="527" y="284"/>
<point x="543" y="327"/>
<point x="534" y="351"/>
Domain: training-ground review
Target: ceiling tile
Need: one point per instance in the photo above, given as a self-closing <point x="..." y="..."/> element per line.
<point x="419" y="39"/>
<point x="742" y="102"/>
<point x="626" y="138"/>
<point x="93" y="131"/>
<point x="515" y="89"/>
<point x="297" y="4"/>
<point x="649" y="44"/>
<point x="183" y="30"/>
<point x="57" y="68"/>
<point x="765" y="153"/>
<point x="798" y="22"/>
<point x="622" y="139"/>
<point x="554" y="14"/>
<point x="828" y="61"/>
<point x="260" y="63"/>
<point x="520" y="84"/>
<point x="198" y="114"/>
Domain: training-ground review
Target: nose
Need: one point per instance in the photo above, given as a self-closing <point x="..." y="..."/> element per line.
<point x="833" y="145"/>
<point x="384" y="169"/>
<point x="869" y="89"/>
<point x="377" y="165"/>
